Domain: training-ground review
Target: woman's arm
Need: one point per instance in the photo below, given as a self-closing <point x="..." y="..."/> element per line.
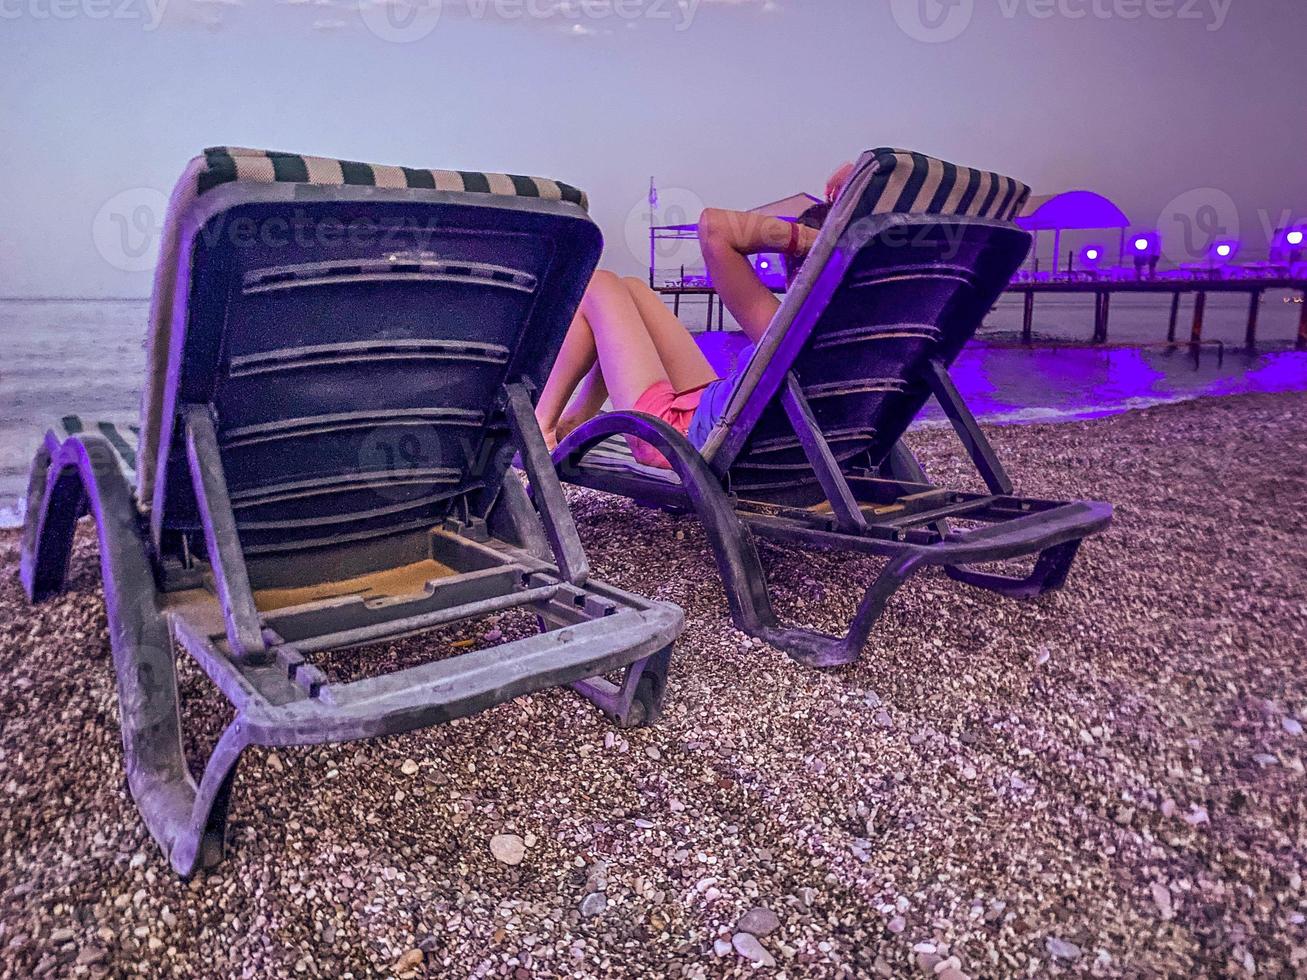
<point x="728" y="238"/>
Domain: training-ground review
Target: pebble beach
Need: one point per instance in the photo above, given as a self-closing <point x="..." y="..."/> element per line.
<point x="1107" y="781"/>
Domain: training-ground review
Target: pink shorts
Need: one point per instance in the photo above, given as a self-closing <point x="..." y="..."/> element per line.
<point x="675" y="408"/>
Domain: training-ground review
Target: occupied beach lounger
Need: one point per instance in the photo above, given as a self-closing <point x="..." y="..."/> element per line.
<point x="340" y="366"/>
<point x="808" y="453"/>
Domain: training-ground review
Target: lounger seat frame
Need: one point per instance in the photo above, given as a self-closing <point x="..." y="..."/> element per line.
<point x="187" y="572"/>
<point x="794" y="488"/>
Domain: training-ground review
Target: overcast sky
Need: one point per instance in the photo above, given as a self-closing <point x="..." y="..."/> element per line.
<point x="1183" y="111"/>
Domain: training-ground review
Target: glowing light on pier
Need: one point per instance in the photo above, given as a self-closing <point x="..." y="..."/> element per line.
<point x="1294" y="238"/>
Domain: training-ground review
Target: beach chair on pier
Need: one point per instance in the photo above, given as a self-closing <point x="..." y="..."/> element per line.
<point x="340" y="369"/>
<point x="809" y="454"/>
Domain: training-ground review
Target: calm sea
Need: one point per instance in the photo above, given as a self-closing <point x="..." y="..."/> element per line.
<point x="63" y="356"/>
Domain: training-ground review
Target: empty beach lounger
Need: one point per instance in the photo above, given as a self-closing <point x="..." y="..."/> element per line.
<point x="808" y="452"/>
<point x="340" y="365"/>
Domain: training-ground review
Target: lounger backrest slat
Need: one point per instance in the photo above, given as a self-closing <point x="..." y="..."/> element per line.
<point x="911" y="258"/>
<point x="352" y="342"/>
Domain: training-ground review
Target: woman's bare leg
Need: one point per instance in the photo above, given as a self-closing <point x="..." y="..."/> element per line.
<point x="585" y="405"/>
<point x="686" y="366"/>
<point x="627" y="355"/>
<point x="576" y="359"/>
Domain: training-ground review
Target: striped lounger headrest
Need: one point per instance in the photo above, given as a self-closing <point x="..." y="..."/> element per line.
<point x="222" y="165"/>
<point x="884" y="181"/>
<point x="904" y="182"/>
<point x="228" y="164"/>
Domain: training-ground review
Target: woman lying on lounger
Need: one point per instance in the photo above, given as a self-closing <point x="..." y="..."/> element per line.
<point x="625" y="344"/>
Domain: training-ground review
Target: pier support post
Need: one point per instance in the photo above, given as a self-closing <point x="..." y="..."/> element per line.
<point x="1302" y="324"/>
<point x="1175" y="317"/>
<point x="1028" y="321"/>
<point x="1200" y="311"/>
<point x="1105" y="311"/>
<point x="1254" y="307"/>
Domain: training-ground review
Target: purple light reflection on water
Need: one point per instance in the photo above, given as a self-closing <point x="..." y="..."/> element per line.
<point x="1010" y="384"/>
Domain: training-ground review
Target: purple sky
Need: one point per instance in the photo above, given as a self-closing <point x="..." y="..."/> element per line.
<point x="1183" y="111"/>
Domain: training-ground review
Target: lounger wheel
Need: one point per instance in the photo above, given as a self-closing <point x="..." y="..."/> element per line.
<point x="646" y="706"/>
<point x="637" y="701"/>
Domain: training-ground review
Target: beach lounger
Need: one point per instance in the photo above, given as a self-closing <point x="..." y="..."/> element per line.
<point x="341" y="362"/>
<point x="808" y="452"/>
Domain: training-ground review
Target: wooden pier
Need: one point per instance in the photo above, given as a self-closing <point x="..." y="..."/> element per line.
<point x="1104" y="289"/>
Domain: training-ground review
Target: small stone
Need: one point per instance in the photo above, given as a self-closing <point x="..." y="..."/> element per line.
<point x="495" y="635"/>
<point x="897" y="924"/>
<point x="1162" y="898"/>
<point x="90" y="955"/>
<point x="1197" y="815"/>
<point x="508" y="848"/>
<point x="759" y="921"/>
<point x="409" y="960"/>
<point x="1291" y="725"/>
<point x="747" y="946"/>
<point x="643" y="824"/>
<point x="61" y="936"/>
<point x="883" y="719"/>
<point x="1061" y="949"/>
<point x="721" y="947"/>
<point x="653" y="753"/>
<point x="409" y="768"/>
<point x="593" y="904"/>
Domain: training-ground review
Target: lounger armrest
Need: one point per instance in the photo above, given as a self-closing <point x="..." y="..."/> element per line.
<point x="1024" y="535"/>
<point x="651" y="429"/>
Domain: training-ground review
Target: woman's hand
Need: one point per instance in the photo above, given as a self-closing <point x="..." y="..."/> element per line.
<point x="837" y="181"/>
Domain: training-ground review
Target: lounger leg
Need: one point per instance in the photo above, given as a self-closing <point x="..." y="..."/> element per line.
<point x="1049" y="574"/>
<point x="200" y="843"/>
<point x="815" y="649"/>
<point x="84" y="468"/>
<point x="731" y="542"/>
<point x="638" y="700"/>
<point x="54" y="504"/>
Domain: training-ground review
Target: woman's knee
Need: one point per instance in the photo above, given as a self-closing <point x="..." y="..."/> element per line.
<point x="636" y="286"/>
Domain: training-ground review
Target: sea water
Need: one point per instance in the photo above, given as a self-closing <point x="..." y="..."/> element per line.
<point x="87" y="357"/>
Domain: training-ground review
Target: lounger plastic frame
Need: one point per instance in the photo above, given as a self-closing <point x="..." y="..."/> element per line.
<point x="878" y="503"/>
<point x="183" y="578"/>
